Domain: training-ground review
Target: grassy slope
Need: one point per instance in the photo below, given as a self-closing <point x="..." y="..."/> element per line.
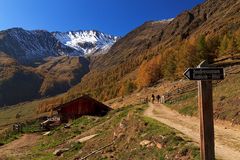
<point x="26" y="110"/>
<point x="225" y="96"/>
<point x="129" y="128"/>
<point x="185" y="104"/>
<point x="28" y="115"/>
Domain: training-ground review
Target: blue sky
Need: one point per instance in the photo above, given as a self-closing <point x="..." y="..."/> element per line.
<point x="116" y="17"/>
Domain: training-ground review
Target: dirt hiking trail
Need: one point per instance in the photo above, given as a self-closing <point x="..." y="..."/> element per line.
<point x="19" y="146"/>
<point x="227" y="139"/>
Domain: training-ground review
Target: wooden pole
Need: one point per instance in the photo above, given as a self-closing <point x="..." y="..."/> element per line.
<point x="205" y="105"/>
<point x="206" y="120"/>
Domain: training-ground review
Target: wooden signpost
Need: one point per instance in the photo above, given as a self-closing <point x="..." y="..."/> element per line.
<point x="205" y="75"/>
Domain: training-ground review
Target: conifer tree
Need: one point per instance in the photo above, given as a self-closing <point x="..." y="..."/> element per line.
<point x="170" y="66"/>
<point x="232" y="46"/>
<point x="237" y="35"/>
<point x="201" y="47"/>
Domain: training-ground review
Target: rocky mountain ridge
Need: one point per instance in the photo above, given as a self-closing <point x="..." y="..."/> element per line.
<point x="87" y="42"/>
<point x="30" y="46"/>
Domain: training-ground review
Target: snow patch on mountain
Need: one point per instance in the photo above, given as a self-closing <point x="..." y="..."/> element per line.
<point x="29" y="46"/>
<point x="164" y="20"/>
<point x="87" y="42"/>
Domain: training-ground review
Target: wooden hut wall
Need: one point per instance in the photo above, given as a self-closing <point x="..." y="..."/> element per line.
<point x="82" y="106"/>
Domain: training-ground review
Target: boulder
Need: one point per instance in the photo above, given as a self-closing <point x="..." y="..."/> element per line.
<point x="150" y="145"/>
<point x="46" y="133"/>
<point x="159" y="145"/>
<point x="145" y="143"/>
<point x="84" y="139"/>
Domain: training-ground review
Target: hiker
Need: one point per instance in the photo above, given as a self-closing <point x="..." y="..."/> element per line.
<point x="158" y="98"/>
<point x="163" y="99"/>
<point x="153" y="98"/>
<point x="146" y="99"/>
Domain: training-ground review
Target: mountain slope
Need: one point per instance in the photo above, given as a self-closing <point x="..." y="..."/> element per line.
<point x="17" y="83"/>
<point x="56" y="75"/>
<point x="61" y="73"/>
<point x="168" y="42"/>
<point x="109" y="71"/>
<point x="131" y="45"/>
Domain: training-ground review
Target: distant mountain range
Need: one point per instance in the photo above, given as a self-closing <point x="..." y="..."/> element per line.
<point x="39" y="63"/>
<point x="31" y="46"/>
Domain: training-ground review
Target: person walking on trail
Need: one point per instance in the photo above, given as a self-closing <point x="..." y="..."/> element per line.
<point x="146" y="99"/>
<point x="153" y="98"/>
<point x="163" y="99"/>
<point x="158" y="98"/>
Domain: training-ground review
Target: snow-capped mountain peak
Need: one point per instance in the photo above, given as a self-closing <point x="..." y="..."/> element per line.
<point x="33" y="45"/>
<point x="88" y="42"/>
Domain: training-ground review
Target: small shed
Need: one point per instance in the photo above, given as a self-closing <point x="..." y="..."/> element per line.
<point x="84" y="105"/>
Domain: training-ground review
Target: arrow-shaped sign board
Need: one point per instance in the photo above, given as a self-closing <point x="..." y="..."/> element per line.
<point x="211" y="73"/>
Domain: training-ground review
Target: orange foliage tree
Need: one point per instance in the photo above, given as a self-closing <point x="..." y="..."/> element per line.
<point x="149" y="72"/>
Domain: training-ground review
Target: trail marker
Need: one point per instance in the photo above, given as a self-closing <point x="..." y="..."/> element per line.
<point x="205" y="75"/>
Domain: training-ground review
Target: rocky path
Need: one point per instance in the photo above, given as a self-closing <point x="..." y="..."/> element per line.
<point x="227" y="138"/>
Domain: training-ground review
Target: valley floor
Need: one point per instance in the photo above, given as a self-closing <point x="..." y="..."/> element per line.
<point x="227" y="138"/>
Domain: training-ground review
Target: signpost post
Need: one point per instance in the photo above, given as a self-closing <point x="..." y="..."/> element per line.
<point x="205" y="75"/>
